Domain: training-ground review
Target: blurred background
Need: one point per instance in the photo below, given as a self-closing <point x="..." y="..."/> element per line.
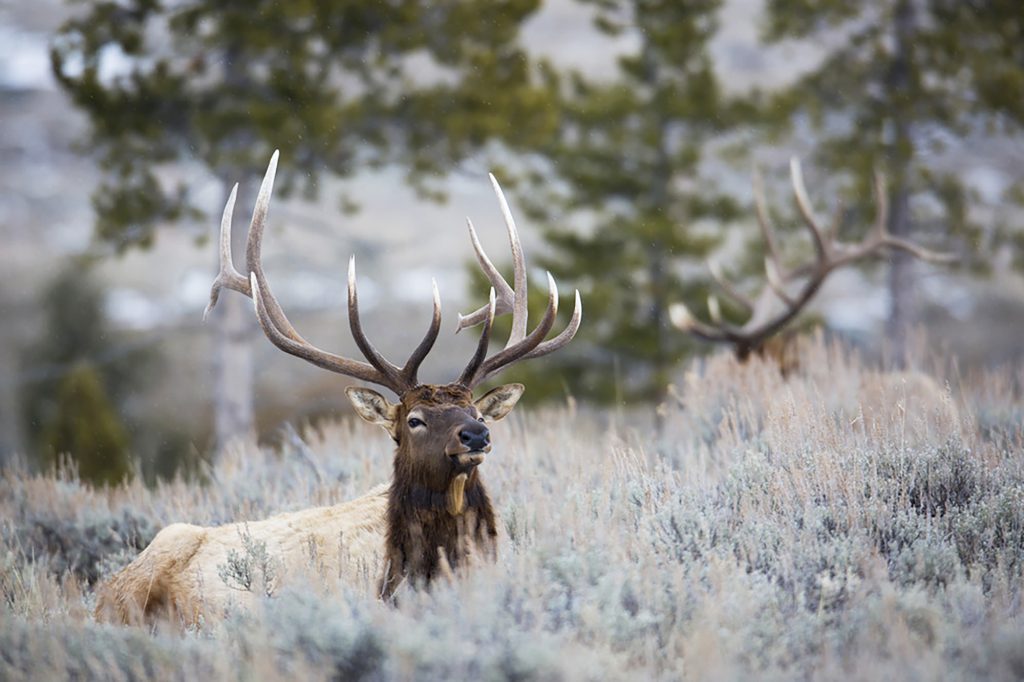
<point x="625" y="134"/>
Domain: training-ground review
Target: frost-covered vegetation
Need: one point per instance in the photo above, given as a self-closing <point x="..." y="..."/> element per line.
<point x="840" y="524"/>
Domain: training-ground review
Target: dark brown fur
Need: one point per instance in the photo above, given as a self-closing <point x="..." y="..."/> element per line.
<point x="421" y="528"/>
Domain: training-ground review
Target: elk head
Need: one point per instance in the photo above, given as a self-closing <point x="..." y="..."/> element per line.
<point x="788" y="291"/>
<point x="440" y="430"/>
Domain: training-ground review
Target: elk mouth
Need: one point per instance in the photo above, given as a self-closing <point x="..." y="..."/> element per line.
<point x="467" y="460"/>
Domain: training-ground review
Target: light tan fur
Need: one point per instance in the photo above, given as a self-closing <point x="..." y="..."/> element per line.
<point x="457" y="495"/>
<point x="179" y="573"/>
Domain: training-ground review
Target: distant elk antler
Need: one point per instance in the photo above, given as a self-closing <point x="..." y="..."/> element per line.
<point x="788" y="291"/>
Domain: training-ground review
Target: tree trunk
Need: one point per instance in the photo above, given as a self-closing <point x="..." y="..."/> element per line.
<point x="12" y="440"/>
<point x="901" y="280"/>
<point x="233" y="358"/>
<point x="656" y="255"/>
<point x="662" y="365"/>
<point x="233" y="364"/>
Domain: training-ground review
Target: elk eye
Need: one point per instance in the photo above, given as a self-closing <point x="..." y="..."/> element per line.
<point x="414" y="422"/>
<point x="479" y="419"/>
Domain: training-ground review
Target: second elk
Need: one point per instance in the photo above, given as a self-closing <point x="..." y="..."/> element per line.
<point x="788" y="290"/>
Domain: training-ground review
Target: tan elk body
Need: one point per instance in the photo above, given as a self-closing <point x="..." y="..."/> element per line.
<point x="433" y="514"/>
<point x="179" y="573"/>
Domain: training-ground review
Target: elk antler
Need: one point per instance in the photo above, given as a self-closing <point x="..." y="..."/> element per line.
<point x="276" y="325"/>
<point x="765" y="318"/>
<point x="506" y="299"/>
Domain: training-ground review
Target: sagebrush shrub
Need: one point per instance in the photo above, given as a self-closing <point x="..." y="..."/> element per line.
<point x="774" y="533"/>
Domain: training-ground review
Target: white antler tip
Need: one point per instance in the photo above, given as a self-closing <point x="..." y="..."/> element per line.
<point x="497" y="187"/>
<point x="272" y="166"/>
<point x="714" y="309"/>
<point x="351" y="275"/>
<point x="680" y="316"/>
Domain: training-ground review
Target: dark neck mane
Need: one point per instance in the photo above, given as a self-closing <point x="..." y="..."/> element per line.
<point x="422" y="498"/>
<point x="419" y="522"/>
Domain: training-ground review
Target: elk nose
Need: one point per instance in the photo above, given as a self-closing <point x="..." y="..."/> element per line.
<point x="475" y="437"/>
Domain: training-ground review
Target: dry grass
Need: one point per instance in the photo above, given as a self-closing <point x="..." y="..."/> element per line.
<point x="843" y="524"/>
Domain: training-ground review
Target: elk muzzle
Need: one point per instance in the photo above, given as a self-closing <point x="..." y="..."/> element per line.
<point x="469" y="445"/>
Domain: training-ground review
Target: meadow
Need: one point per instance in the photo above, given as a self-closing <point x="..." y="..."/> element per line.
<point x="839" y="523"/>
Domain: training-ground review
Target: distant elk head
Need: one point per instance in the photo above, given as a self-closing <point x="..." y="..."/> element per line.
<point x="438" y="506"/>
<point x="788" y="290"/>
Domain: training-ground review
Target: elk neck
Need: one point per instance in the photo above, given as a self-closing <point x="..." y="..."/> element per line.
<point x="435" y="511"/>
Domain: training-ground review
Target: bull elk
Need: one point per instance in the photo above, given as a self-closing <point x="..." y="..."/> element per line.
<point x="787" y="291"/>
<point x="436" y="509"/>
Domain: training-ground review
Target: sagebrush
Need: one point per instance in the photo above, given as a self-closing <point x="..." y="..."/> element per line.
<point x="818" y="527"/>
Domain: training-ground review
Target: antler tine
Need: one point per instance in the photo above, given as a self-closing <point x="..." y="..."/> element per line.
<point x="227" y="276"/>
<point x="887" y="239"/>
<point x="918" y="251"/>
<point x="505" y="295"/>
<point x="519" y="284"/>
<point x="412" y="365"/>
<point x="466" y="379"/>
<point x="684" y="320"/>
<point x="551" y="345"/>
<point x="806" y="211"/>
<point x="771" y="274"/>
<point x="518" y="351"/>
<point x="254" y="246"/>
<point x="308" y="352"/>
<point x="880" y="237"/>
<point x="714" y="310"/>
<point x="394" y="374"/>
<point x="764" y="220"/>
<point x="727" y="287"/>
<point x="512" y="299"/>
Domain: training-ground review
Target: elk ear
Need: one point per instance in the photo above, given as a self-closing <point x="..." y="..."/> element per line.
<point x="373" y="407"/>
<point x="499" y="401"/>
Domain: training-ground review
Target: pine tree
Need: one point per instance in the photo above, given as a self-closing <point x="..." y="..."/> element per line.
<point x="900" y="81"/>
<point x="86" y="428"/>
<point x="80" y="380"/>
<point x="628" y="163"/>
<point x="337" y="85"/>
